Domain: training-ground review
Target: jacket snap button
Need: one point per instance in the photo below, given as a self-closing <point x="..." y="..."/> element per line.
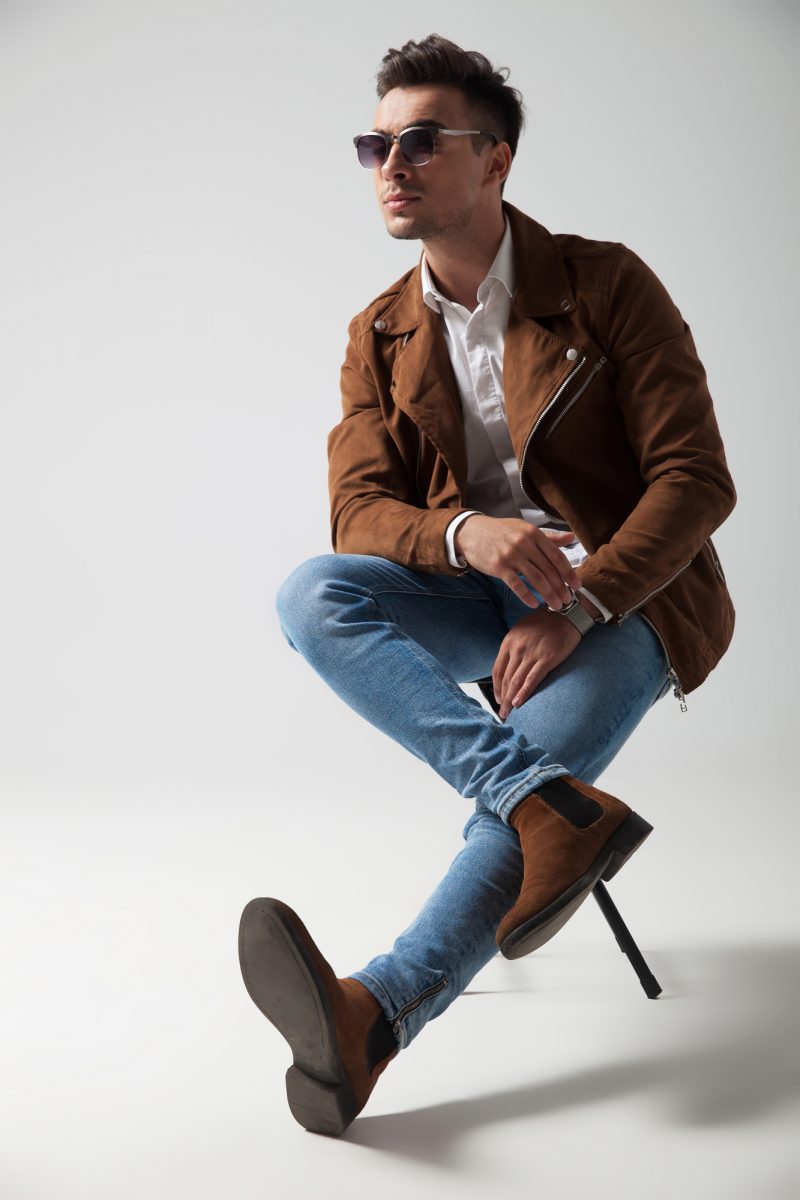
<point x="380" y="325"/>
<point x="565" y="303"/>
<point x="572" y="353"/>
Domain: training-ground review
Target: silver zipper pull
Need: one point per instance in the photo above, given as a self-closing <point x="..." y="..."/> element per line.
<point x="677" y="690"/>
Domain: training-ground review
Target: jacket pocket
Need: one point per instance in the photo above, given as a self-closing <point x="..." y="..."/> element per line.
<point x="565" y="403"/>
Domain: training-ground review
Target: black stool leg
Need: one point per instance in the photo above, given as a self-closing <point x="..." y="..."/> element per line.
<point x="627" y="945"/>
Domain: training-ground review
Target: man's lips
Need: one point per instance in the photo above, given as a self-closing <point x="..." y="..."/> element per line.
<point x="399" y="201"/>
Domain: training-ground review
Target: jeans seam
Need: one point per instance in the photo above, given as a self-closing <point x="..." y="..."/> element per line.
<point x="400" y="591"/>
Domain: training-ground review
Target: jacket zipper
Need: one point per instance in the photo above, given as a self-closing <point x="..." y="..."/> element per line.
<point x="600" y="362"/>
<point x="677" y="687"/>
<point x="548" y="406"/>
<point x="624" y="616"/>
<point x="671" y="672"/>
<point x="597" y="366"/>
<point x="672" y="675"/>
<point x="431" y="991"/>
<point x="536" y="425"/>
<point x="715" y="560"/>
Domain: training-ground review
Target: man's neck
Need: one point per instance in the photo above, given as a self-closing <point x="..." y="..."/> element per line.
<point x="458" y="266"/>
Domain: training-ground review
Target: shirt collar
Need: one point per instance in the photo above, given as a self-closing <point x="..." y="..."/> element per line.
<point x="502" y="269"/>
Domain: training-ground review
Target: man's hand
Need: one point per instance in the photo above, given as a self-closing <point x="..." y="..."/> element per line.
<point x="508" y="547"/>
<point x="528" y="652"/>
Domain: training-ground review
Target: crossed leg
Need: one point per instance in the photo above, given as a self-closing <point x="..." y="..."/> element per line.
<point x="395" y="645"/>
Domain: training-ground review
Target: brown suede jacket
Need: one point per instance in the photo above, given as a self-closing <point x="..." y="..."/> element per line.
<point x="621" y="441"/>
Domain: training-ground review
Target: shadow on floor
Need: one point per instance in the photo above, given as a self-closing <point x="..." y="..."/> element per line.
<point x="738" y="1061"/>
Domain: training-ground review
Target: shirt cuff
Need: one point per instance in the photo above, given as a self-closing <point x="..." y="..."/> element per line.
<point x="591" y="596"/>
<point x="450" y="540"/>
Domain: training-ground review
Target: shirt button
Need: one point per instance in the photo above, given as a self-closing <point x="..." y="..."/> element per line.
<point x="572" y="353"/>
<point x="380" y="325"/>
<point x="566" y="304"/>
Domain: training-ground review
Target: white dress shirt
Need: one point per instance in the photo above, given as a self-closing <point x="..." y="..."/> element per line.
<point x="475" y="345"/>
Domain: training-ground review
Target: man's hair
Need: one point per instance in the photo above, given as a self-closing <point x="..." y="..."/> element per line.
<point x="495" y="106"/>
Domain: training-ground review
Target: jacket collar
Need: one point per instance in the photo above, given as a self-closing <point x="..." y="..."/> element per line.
<point x="542" y="287"/>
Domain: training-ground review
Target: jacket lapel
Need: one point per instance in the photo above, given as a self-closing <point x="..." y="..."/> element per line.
<point x="534" y="358"/>
<point x="534" y="366"/>
<point x="424" y="387"/>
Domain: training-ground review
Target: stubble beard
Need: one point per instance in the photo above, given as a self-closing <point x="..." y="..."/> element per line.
<point x="430" y="228"/>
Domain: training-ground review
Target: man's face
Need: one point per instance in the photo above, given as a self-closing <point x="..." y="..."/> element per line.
<point x="447" y="189"/>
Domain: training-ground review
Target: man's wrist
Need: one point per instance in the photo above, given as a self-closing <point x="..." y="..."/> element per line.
<point x="458" y="527"/>
<point x="574" y="612"/>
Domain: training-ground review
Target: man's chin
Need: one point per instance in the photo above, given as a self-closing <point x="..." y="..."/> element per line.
<point x="401" y="227"/>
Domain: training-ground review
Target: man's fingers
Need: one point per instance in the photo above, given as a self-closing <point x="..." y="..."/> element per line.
<point x="512" y="670"/>
<point x="553" y="535"/>
<point x="507" y="662"/>
<point x="519" y="589"/>
<point x="561" y="564"/>
<point x="545" y="567"/>
<point x="557" y="557"/>
<point x="541" y="564"/>
<point x="499" y="671"/>
<point x="517" y="670"/>
<point x="521" y="678"/>
<point x="550" y="581"/>
<point x="523" y="688"/>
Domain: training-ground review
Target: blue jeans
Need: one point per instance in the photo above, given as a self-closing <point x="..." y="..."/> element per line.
<point x="395" y="644"/>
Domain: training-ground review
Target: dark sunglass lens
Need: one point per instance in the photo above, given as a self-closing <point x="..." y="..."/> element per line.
<point x="371" y="150"/>
<point x="416" y="146"/>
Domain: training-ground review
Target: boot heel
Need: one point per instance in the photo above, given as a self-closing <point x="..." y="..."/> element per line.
<point x="629" y="837"/>
<point x="317" y="1106"/>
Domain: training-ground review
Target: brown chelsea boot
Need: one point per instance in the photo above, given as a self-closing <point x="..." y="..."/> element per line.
<point x="572" y="835"/>
<point x="340" y="1039"/>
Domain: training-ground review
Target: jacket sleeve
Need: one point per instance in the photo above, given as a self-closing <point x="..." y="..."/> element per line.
<point x="669" y="417"/>
<point x="374" y="505"/>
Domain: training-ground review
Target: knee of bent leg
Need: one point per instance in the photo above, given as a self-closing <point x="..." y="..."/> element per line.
<point x="296" y="601"/>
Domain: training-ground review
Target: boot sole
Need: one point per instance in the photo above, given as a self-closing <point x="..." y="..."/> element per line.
<point x="534" y="932"/>
<point x="283" y="981"/>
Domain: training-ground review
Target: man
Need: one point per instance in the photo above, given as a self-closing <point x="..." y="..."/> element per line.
<point x="523" y="485"/>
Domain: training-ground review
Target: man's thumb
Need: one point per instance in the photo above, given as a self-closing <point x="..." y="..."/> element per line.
<point x="556" y="535"/>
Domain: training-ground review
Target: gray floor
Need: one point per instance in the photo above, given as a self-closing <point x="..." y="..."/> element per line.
<point x="135" y="1065"/>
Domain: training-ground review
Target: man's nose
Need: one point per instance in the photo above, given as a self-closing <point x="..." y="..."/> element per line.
<point x="395" y="163"/>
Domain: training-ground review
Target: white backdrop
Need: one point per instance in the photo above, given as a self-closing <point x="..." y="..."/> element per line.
<point x="182" y="209"/>
<point x="181" y="214"/>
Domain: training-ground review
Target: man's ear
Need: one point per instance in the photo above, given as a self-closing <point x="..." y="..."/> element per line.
<point x="501" y="160"/>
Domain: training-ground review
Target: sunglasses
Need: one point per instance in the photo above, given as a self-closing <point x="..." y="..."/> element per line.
<point x="417" y="144"/>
